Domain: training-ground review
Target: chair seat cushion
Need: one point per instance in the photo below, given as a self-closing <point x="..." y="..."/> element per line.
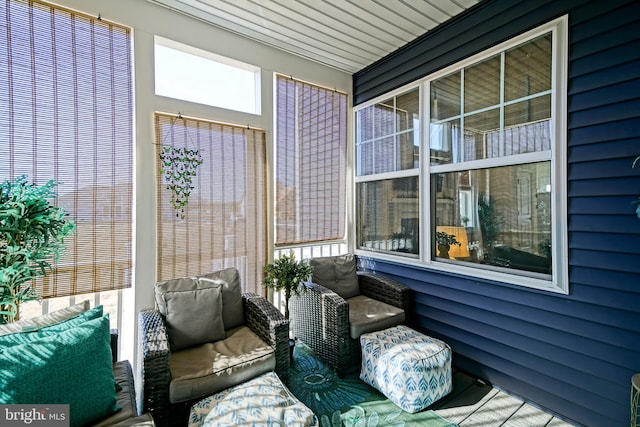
<point x="208" y="368"/>
<point x="369" y="315"/>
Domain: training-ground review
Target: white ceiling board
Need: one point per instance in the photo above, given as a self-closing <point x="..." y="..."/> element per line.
<point x="344" y="34"/>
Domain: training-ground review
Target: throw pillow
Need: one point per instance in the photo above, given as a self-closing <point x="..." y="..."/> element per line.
<point x="72" y="367"/>
<point x="194" y="317"/>
<point x="337" y="273"/>
<point x="44" y="320"/>
<point x="37" y="334"/>
<point x="180" y="284"/>
<point x="232" y="307"/>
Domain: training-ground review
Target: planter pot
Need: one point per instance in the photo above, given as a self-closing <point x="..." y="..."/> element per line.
<point x="443" y="251"/>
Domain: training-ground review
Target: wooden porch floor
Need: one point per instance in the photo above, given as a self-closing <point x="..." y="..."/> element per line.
<point x="475" y="404"/>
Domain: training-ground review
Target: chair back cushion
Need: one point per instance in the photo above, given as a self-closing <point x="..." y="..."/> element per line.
<point x="337" y="273"/>
<point x="201" y="308"/>
<point x="194" y="317"/>
<point x="232" y="308"/>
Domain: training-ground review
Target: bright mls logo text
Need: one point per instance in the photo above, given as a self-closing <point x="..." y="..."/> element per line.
<point x="37" y="415"/>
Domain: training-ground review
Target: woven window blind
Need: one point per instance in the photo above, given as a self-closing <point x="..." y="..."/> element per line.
<point x="224" y="221"/>
<point x="310" y="163"/>
<point x="66" y="113"/>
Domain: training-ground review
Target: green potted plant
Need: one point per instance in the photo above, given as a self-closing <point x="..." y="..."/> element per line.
<point x="32" y="232"/>
<point x="444" y="241"/>
<point x="287" y="275"/>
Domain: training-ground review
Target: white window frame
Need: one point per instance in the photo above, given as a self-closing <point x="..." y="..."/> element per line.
<point x="398" y="174"/>
<point x="559" y="280"/>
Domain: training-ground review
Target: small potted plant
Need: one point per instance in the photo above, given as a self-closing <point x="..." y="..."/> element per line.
<point x="287" y="275"/>
<point x="32" y="233"/>
<point x="445" y="240"/>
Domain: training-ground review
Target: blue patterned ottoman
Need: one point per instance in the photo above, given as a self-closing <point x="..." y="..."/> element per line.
<point x="410" y="368"/>
<point x="262" y="401"/>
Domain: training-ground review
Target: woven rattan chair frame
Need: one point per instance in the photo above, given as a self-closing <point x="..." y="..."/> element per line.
<point x="320" y="318"/>
<point x="260" y="316"/>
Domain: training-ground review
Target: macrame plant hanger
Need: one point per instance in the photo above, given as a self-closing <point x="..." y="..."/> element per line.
<point x="179" y="166"/>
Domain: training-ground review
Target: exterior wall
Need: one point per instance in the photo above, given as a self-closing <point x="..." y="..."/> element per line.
<point x="573" y="354"/>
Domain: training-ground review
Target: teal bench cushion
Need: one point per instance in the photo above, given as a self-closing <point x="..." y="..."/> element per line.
<point x="73" y="366"/>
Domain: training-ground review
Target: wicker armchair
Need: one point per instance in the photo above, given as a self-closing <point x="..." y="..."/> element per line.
<point x="325" y="320"/>
<point x="167" y="402"/>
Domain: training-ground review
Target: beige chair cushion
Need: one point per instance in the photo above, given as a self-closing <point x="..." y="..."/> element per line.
<point x="232" y="308"/>
<point x="209" y="368"/>
<point x="194" y="317"/>
<point x="337" y="273"/>
<point x="181" y="284"/>
<point x="369" y="315"/>
<point x="45" y="320"/>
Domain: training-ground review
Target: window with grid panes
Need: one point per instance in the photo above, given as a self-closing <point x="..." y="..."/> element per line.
<point x="493" y="193"/>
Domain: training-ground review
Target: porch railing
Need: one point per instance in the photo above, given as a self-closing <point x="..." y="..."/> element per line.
<point x="119" y="303"/>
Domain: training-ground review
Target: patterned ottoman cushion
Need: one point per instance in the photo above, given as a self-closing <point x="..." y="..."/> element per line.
<point x="263" y="401"/>
<point x="411" y="369"/>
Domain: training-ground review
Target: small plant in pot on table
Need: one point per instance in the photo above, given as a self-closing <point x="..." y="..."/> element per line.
<point x="287" y="275"/>
<point x="445" y="241"/>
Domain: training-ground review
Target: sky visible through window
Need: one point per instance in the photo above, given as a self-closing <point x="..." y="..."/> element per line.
<point x="196" y="78"/>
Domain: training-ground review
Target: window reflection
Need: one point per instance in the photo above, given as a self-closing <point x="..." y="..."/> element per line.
<point x="498" y="217"/>
<point x="388" y="215"/>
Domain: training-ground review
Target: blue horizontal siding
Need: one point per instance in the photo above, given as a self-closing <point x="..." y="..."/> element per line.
<point x="603" y="223"/>
<point x="572" y="354"/>
<point x="604" y="133"/>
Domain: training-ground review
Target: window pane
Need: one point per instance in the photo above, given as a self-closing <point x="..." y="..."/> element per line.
<point x="501" y="217"/>
<point x="444" y="141"/>
<point x="478" y="131"/>
<point x="387" y="135"/>
<point x="532" y="110"/>
<point x="364" y="128"/>
<point x="528" y="69"/>
<point x="184" y="72"/>
<point x="407" y="110"/>
<point x="388" y="215"/>
<point x="384" y="120"/>
<point x="445" y="97"/>
<point x="482" y="85"/>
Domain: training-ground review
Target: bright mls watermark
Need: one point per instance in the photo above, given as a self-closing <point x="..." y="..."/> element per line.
<point x="34" y="415"/>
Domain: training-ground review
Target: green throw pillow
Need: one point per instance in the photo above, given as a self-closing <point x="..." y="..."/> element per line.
<point x="71" y="367"/>
<point x="37" y="334"/>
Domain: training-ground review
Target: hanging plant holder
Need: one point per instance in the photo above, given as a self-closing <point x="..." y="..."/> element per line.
<point x="179" y="167"/>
